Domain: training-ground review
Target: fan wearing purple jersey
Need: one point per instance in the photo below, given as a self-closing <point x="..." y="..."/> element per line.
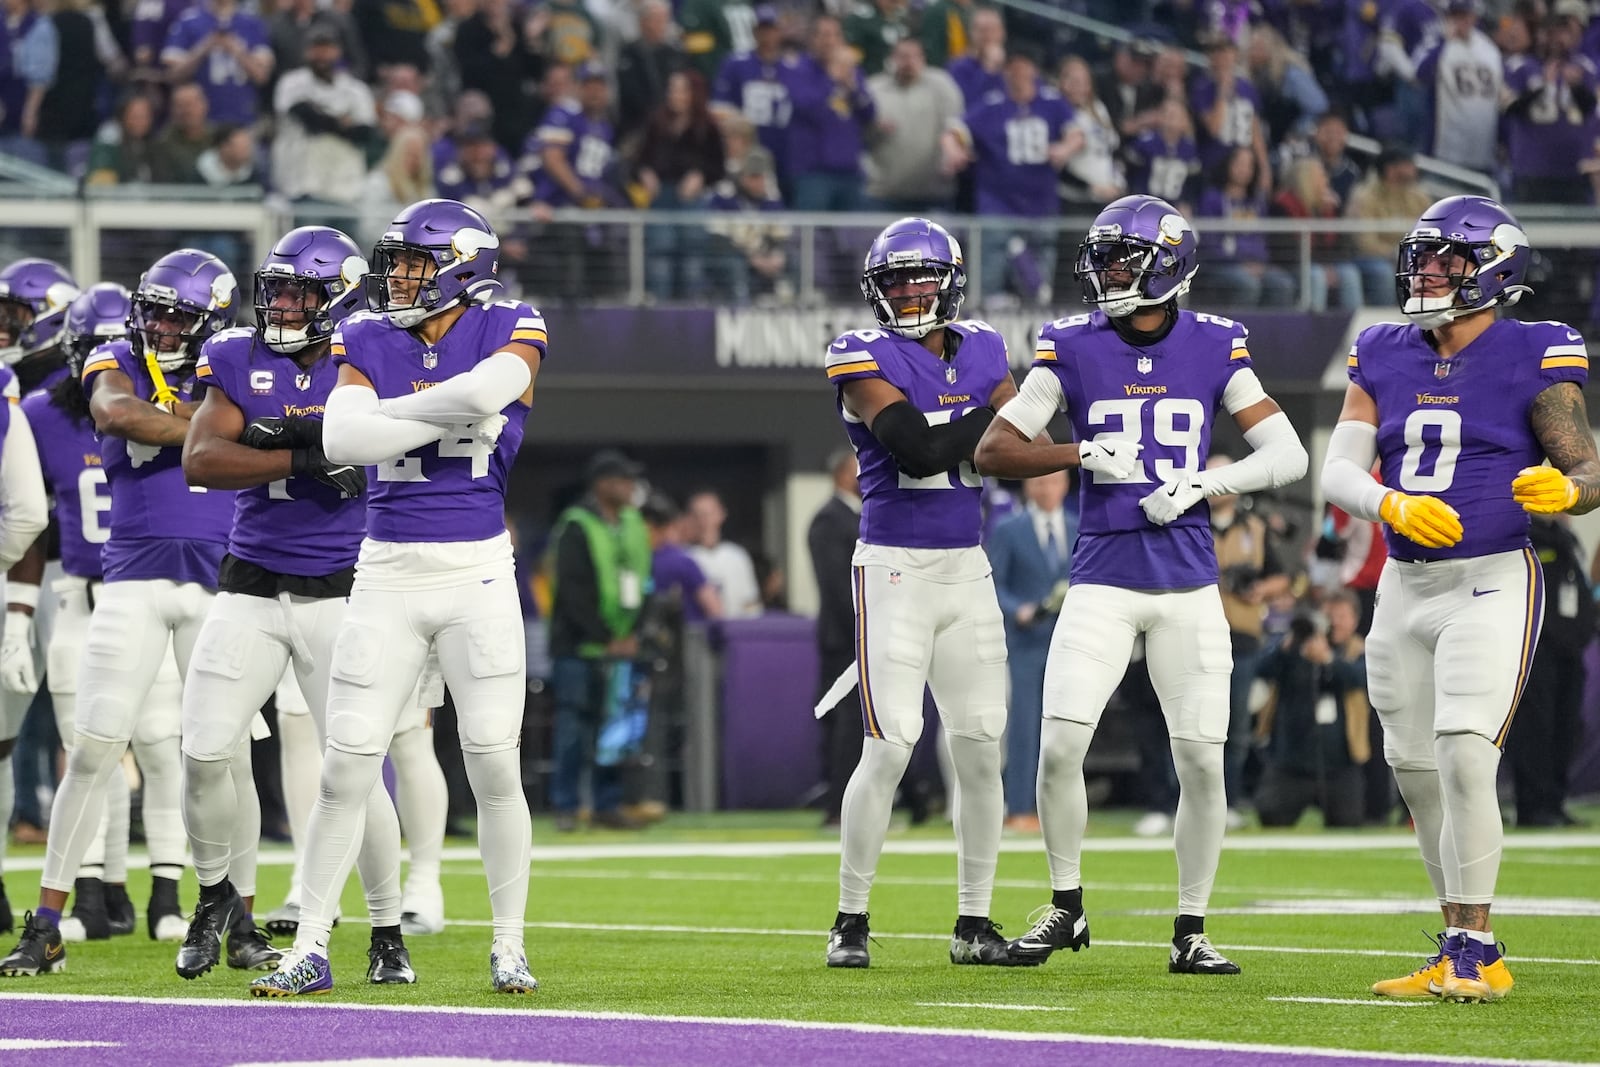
<point x="433" y="392"/>
<point x="160" y="566"/>
<point x="1139" y="376"/>
<point x="915" y="395"/>
<point x="44" y="635"/>
<point x="1461" y="408"/>
<point x="280" y="597"/>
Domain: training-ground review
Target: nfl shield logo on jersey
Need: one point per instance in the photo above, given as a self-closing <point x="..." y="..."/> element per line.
<point x="1145" y="364"/>
<point x="302" y="382"/>
<point x="950" y="375"/>
<point x="1441" y="369"/>
<point x="430" y="359"/>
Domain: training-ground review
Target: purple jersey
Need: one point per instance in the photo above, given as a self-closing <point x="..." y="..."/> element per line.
<point x="826" y="128"/>
<point x="672" y="568"/>
<point x="234" y="98"/>
<point x="588" y="144"/>
<point x="151" y="23"/>
<point x="295" y="525"/>
<point x="897" y="510"/>
<point x="1013" y="175"/>
<point x="974" y="82"/>
<point x="760" y="92"/>
<point x="1458" y="428"/>
<point x="1547" y="137"/>
<point x="1165" y="395"/>
<point x="454" y="489"/>
<point x="1158" y="168"/>
<point x="1238" y="129"/>
<point x="74" y="476"/>
<point x="160" y="526"/>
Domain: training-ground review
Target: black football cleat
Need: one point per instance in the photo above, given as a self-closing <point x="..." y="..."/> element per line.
<point x="1053" y="928"/>
<point x="119" y="910"/>
<point x="39" y="952"/>
<point x="388" y="962"/>
<point x="1194" y="954"/>
<point x="847" y="941"/>
<point x="250" y="947"/>
<point x="981" y="944"/>
<point x="202" y="946"/>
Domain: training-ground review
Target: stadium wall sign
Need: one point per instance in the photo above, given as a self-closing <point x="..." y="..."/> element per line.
<point x="752" y="343"/>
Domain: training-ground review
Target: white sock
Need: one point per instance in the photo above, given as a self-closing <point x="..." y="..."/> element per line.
<point x="209" y="804"/>
<point x="333" y="838"/>
<point x="1473" y="832"/>
<point x="1202" y="819"/>
<point x="300" y="763"/>
<point x="980" y="809"/>
<point x="1062" y="800"/>
<point x="378" y="858"/>
<point x="112" y="842"/>
<point x="245" y="846"/>
<point x="1482" y="937"/>
<point x="423" y="799"/>
<point x="77" y="814"/>
<point x="864" y="818"/>
<point x="161" y="764"/>
<point x="505" y="836"/>
<point x="1420" y="790"/>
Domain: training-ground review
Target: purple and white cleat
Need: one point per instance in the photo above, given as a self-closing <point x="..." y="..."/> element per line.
<point x="296" y="976"/>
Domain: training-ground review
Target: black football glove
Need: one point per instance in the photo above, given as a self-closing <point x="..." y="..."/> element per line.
<point x="287" y="432"/>
<point x="351" y="481"/>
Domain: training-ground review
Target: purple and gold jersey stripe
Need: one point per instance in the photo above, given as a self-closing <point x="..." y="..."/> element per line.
<point x="95" y="366"/>
<point x="869" y="718"/>
<point x="858" y="367"/>
<point x="1532" y="621"/>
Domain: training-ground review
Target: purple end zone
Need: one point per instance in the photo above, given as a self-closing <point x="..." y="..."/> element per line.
<point x="192" y="1035"/>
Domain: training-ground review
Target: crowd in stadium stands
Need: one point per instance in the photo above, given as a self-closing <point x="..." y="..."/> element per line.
<point x="884" y="105"/>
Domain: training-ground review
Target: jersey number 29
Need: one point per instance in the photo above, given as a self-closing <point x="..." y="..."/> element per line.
<point x="1175" y="423"/>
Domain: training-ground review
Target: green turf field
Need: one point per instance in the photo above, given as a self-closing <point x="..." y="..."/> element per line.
<point x="724" y="916"/>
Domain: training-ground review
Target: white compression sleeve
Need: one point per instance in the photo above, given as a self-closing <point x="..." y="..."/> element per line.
<point x="483" y="390"/>
<point x="1035" y="404"/>
<point x="1277" y="458"/>
<point x="355" y="431"/>
<point x="23" y="507"/>
<point x="1347" y="479"/>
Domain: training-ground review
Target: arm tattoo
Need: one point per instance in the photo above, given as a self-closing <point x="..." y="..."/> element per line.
<point x="1561" y="423"/>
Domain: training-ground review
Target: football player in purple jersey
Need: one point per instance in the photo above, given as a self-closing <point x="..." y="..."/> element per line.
<point x="160" y="567"/>
<point x="433" y="392"/>
<point x="49" y="631"/>
<point x="1461" y="407"/>
<point x="280" y="596"/>
<point x="32" y="295"/>
<point x="1144" y="379"/>
<point x="915" y="394"/>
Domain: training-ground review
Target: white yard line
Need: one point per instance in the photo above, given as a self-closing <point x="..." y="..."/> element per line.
<point x="1371" y="1002"/>
<point x="989" y="1007"/>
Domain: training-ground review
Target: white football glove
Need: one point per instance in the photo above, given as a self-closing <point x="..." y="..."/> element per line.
<point x="1173" y="499"/>
<point x="486" y="431"/>
<point x="16" y="655"/>
<point x="1111" y="457"/>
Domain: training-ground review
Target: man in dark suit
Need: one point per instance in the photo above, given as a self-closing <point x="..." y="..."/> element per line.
<point x="1030" y="552"/>
<point x="832" y="541"/>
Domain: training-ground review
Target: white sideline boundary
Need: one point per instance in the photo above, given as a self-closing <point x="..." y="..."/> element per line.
<point x="1306" y="1051"/>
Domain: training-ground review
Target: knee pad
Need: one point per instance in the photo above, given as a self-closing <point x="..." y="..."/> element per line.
<point x="95" y="757"/>
<point x="351" y="728"/>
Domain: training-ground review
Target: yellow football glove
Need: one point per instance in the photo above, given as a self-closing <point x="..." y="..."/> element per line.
<point x="1544" y="490"/>
<point x="1427" y="520"/>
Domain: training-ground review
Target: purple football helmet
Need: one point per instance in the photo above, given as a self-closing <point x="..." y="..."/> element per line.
<point x="309" y="282"/>
<point x="435" y="255"/>
<point x="1494" y="258"/>
<point x="1139" y="253"/>
<point x="914" y="252"/>
<point x="99" y="314"/>
<point x="184" y="298"/>
<point x="34" y="294"/>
